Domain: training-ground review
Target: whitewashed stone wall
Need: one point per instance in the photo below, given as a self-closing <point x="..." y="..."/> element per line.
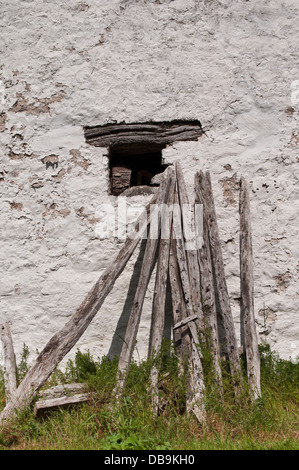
<point x="68" y="64"/>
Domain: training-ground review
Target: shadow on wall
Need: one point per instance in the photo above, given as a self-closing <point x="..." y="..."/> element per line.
<point x="120" y="331"/>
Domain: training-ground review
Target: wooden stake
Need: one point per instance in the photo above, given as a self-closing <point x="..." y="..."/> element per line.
<point x="207" y="285"/>
<point x="247" y="294"/>
<point x="191" y="254"/>
<point x="220" y="282"/>
<point x="62" y="342"/>
<point x="186" y="332"/>
<point x="181" y="255"/>
<point x="179" y="310"/>
<point x="159" y="299"/>
<point x="158" y="315"/>
<point x="146" y="270"/>
<point x="196" y="386"/>
<point x="9" y="360"/>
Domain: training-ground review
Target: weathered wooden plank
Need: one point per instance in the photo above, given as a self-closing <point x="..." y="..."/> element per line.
<point x="247" y="293"/>
<point x="120" y="140"/>
<point x="9" y="362"/>
<point x="63" y="341"/>
<point x="179" y="311"/>
<point x="185" y="321"/>
<point x="188" y="351"/>
<point x="41" y="407"/>
<point x="181" y="255"/>
<point x="145" y="273"/>
<point x="191" y="254"/>
<point x="220" y="282"/>
<point x="207" y="284"/>
<point x="148" y="127"/>
<point x="136" y="133"/>
<point x="195" y="398"/>
<point x="196" y="386"/>
<point x="62" y="390"/>
<point x="158" y="313"/>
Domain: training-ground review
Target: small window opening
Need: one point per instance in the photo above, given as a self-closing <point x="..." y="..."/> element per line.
<point x="134" y="165"/>
<point x="135" y="149"/>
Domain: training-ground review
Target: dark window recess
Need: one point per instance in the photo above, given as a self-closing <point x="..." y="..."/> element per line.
<point x="133" y="166"/>
<point x="135" y="150"/>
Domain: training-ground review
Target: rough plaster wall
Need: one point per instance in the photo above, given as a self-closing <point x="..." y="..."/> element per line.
<point x="67" y="64"/>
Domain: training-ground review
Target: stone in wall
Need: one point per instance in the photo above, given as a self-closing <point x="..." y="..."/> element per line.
<point x="120" y="179"/>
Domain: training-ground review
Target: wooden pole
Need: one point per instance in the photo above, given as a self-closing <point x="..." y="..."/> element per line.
<point x="62" y="342"/>
<point x="179" y="310"/>
<point x="9" y="362"/>
<point x="181" y="255"/>
<point x="146" y="270"/>
<point x="196" y="386"/>
<point x="220" y="283"/>
<point x="207" y="285"/>
<point x="185" y="331"/>
<point x="159" y="299"/>
<point x="158" y="315"/>
<point x="191" y="253"/>
<point x="247" y="293"/>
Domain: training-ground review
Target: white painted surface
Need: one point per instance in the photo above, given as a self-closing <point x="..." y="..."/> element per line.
<point x="67" y="64"/>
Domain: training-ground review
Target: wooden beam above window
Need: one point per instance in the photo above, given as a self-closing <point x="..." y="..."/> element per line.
<point x="142" y="134"/>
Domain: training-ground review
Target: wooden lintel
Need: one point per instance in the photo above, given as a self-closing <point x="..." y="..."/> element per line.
<point x="157" y="133"/>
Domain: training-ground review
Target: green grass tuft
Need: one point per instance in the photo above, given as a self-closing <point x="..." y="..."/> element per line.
<point x="266" y="424"/>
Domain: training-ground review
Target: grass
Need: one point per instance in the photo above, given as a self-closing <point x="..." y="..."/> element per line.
<point x="271" y="423"/>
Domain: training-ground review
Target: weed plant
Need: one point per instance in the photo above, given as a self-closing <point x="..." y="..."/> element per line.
<point x="271" y="422"/>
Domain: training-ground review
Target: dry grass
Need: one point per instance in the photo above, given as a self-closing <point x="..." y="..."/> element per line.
<point x="270" y="423"/>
